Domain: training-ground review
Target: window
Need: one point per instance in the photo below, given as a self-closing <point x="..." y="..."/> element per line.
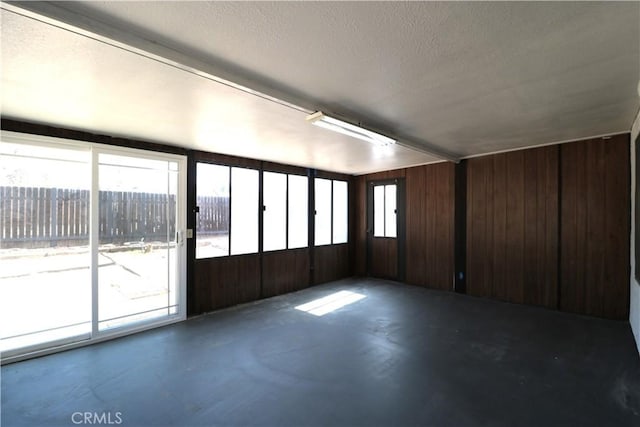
<point x="298" y="211"/>
<point x="275" y="211"/>
<point x="228" y="205"/>
<point x="332" y="214"/>
<point x="285" y="214"/>
<point x="340" y="212"/>
<point x="227" y="199"/>
<point x="323" y="211"/>
<point x="91" y="240"/>
<point x="212" y="226"/>
<point x="384" y="211"/>
<point x="244" y="211"/>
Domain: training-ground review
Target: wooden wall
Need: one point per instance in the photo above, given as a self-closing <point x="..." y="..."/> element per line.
<point x="547" y="226"/>
<point x="359" y="225"/>
<point x="512" y="226"/>
<point x="430" y="225"/>
<point x="226" y="281"/>
<point x="384" y="258"/>
<point x="429" y="259"/>
<point x="360" y="213"/>
<point x="285" y="271"/>
<point x="331" y="262"/>
<point x="550" y="226"/>
<point x="595" y="226"/>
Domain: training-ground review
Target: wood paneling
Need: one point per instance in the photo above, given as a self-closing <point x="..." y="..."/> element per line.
<point x="331" y="263"/>
<point x="429" y="219"/>
<point x="285" y="271"/>
<point x="595" y="218"/>
<point x="460" y="227"/>
<point x="359" y="189"/>
<point x="430" y="225"/>
<point x="512" y="226"/>
<point x="226" y="281"/>
<point x="384" y="258"/>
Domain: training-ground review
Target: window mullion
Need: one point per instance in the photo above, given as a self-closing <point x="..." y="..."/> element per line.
<point x="230" y="197"/>
<point x="286" y="209"/>
<point x="94" y="239"/>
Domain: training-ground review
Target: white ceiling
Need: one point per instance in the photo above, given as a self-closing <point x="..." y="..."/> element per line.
<point x="459" y="78"/>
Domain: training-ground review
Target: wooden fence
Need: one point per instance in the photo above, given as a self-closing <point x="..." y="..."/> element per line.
<point x="32" y="217"/>
<point x="40" y="217"/>
<point x="213" y="217"/>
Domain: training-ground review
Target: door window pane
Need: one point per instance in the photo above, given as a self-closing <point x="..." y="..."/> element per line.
<point x="378" y="211"/>
<point x="45" y="279"/>
<point x="137" y="229"/>
<point x="173" y="249"/>
<point x="244" y="211"/>
<point x="323" y="211"/>
<point x="340" y="212"/>
<point x="212" y="222"/>
<point x="46" y="208"/>
<point x="275" y="211"/>
<point x="298" y="211"/>
<point x="390" y="210"/>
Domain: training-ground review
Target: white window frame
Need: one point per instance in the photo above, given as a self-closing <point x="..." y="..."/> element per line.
<point x="96" y="335"/>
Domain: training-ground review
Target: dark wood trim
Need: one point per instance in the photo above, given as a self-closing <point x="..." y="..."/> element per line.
<point x="191" y="243"/>
<point x="636" y="237"/>
<point x="352" y="224"/>
<point x="359" y="227"/>
<point x="226" y="160"/>
<point x="282" y="168"/>
<point x="261" y="209"/>
<point x="311" y="174"/>
<point x="559" y="233"/>
<point x="460" y="228"/>
<point x="80" y="135"/>
<point x="401" y="222"/>
<point x="332" y="175"/>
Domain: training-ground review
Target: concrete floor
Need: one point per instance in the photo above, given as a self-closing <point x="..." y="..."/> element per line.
<point x="402" y="356"/>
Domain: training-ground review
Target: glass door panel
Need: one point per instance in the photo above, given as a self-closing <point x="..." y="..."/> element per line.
<point x="45" y="279"/>
<point x="137" y="252"/>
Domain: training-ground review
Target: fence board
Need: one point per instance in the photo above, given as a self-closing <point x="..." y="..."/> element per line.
<point x="32" y="217"/>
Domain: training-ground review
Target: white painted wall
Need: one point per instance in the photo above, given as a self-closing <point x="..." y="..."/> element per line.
<point x="634" y="309"/>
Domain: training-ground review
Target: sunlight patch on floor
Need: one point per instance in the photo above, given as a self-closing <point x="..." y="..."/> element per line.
<point x="324" y="305"/>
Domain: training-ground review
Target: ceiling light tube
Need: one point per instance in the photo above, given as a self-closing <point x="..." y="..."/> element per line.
<point x="320" y="119"/>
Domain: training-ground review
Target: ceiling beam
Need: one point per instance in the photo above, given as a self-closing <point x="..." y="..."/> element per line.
<point x="59" y="16"/>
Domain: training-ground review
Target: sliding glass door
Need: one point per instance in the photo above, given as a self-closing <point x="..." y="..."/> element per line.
<point x="137" y="239"/>
<point x="90" y="241"/>
<point x="45" y="277"/>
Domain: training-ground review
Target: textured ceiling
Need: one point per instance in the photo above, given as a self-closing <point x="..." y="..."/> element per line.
<point x="467" y="78"/>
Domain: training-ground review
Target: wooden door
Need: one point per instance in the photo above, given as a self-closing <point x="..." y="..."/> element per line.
<point x="386" y="229"/>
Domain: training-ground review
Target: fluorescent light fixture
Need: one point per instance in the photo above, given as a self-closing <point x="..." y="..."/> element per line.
<point x="320" y="119"/>
<point x="324" y="305"/>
